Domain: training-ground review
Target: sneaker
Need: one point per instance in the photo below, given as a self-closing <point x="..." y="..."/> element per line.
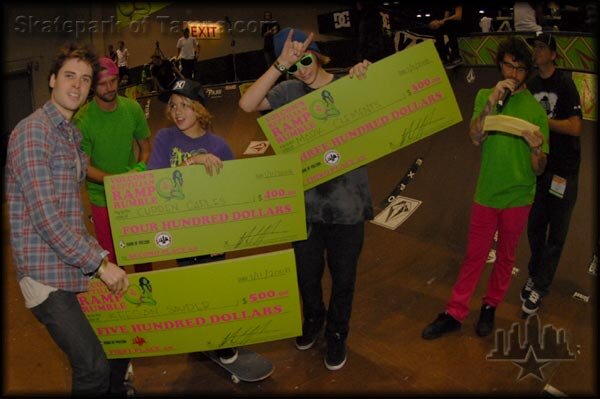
<point x="532" y="303"/>
<point x="485" y="324"/>
<point x="453" y="63"/>
<point x="129" y="390"/>
<point x="129" y="373"/>
<point x="440" y="326"/>
<point x="310" y="333"/>
<point x="491" y="256"/>
<point x="336" y="353"/>
<point x="228" y="355"/>
<point x="526" y="290"/>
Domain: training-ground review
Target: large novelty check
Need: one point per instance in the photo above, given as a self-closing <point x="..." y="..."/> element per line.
<point x="181" y="212"/>
<point x="235" y="302"/>
<point x="348" y="123"/>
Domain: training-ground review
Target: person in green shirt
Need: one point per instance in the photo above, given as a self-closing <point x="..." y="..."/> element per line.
<point x="111" y="125"/>
<point x="505" y="189"/>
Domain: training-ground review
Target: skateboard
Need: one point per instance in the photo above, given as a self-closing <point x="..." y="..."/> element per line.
<point x="249" y="366"/>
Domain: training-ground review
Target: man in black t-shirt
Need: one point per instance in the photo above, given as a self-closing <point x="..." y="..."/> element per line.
<point x="162" y="73"/>
<point x="556" y="190"/>
<point x="268" y="30"/>
<point x="449" y="25"/>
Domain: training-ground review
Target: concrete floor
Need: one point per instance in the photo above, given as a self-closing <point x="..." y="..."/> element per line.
<point x="404" y="279"/>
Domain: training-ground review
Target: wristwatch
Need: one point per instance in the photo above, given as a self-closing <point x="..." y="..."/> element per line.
<point x="280" y="67"/>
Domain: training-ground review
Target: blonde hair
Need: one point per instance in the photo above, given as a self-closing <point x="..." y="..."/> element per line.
<point x="204" y="117"/>
<point x="323" y="59"/>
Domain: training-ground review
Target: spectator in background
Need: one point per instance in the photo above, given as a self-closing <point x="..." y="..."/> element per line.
<point x="188" y="50"/>
<point x="268" y="30"/>
<point x="123" y="62"/>
<point x="163" y="73"/>
<point x="112" y="54"/>
<point x="591" y="16"/>
<point x="370" y="31"/>
<point x="449" y="25"/>
<point x="527" y="16"/>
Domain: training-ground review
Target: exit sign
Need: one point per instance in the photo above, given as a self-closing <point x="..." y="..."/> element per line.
<point x="205" y="30"/>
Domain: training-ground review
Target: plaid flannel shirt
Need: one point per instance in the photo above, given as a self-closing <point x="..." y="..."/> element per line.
<point x="45" y="168"/>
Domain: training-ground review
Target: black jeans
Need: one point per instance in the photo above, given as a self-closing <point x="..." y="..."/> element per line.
<point x="342" y="245"/>
<point x="72" y="332"/>
<point x="450" y="51"/>
<point x="547" y="229"/>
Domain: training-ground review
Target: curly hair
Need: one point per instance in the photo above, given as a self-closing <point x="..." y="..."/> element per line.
<point x="518" y="50"/>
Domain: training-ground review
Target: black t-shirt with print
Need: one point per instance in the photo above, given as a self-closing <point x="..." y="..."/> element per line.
<point x="559" y="97"/>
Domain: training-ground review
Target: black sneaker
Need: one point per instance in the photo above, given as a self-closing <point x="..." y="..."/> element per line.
<point x="310" y="333"/>
<point x="228" y="355"/>
<point x="453" y="63"/>
<point x="527" y="288"/>
<point x="440" y="326"/>
<point x="532" y="303"/>
<point x="336" y="352"/>
<point x="485" y="324"/>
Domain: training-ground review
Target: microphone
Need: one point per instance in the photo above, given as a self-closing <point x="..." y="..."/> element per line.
<point x="504" y="99"/>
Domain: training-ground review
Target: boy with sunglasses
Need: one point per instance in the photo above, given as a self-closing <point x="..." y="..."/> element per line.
<point x="335" y="210"/>
<point x="505" y="190"/>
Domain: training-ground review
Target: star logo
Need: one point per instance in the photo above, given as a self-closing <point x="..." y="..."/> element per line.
<point x="531" y="365"/>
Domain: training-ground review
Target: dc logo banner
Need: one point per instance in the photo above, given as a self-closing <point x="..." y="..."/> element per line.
<point x="341" y="19"/>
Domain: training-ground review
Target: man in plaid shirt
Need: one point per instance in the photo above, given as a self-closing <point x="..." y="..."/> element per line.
<point x="54" y="254"/>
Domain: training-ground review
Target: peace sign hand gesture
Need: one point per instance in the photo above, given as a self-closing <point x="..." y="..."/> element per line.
<point x="292" y="51"/>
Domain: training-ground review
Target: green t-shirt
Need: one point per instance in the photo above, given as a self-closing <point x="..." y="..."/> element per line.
<point x="506" y="177"/>
<point x="109" y="137"/>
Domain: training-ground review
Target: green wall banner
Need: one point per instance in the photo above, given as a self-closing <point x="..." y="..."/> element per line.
<point x="349" y="123"/>
<point x="235" y="302"/>
<point x="181" y="212"/>
<point x="574" y="52"/>
<point x="587" y="86"/>
<point x="129" y="12"/>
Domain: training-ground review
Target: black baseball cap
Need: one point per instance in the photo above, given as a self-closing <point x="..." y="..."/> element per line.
<point x="544" y="37"/>
<point x="187" y="88"/>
